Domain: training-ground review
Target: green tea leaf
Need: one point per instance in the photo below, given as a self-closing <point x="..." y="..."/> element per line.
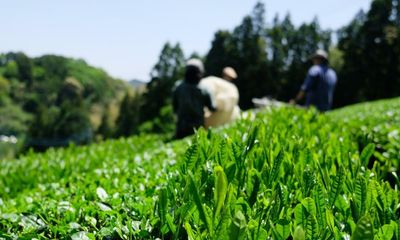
<point x="162" y="205"/>
<point x="220" y="190"/>
<point x="275" y="169"/>
<point x="189" y="231"/>
<point x="283" y="229"/>
<point x="309" y="205"/>
<point x="366" y="154"/>
<point x="330" y="219"/>
<point x="238" y="226"/>
<point x="364" y="229"/>
<point x="299" y="234"/>
<point x="197" y="200"/>
<point x="385" y="232"/>
<point x="336" y="186"/>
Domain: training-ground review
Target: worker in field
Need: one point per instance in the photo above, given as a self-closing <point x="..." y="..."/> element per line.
<point x="226" y="96"/>
<point x="319" y="84"/>
<point x="189" y="100"/>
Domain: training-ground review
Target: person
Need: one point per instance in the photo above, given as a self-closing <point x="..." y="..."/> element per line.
<point x="319" y="84"/>
<point x="189" y="100"/>
<point x="226" y="96"/>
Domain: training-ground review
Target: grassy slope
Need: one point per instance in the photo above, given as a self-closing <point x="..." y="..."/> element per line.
<point x="290" y="167"/>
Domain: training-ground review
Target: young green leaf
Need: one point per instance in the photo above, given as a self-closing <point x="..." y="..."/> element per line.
<point x="238" y="226"/>
<point x="309" y="205"/>
<point x="220" y="190"/>
<point x="275" y="169"/>
<point x="336" y="187"/>
<point x="283" y="229"/>
<point x="385" y="232"/>
<point x="364" y="229"/>
<point x="299" y="234"/>
<point x="162" y="205"/>
<point x="366" y="154"/>
<point x="189" y="231"/>
<point x="197" y="200"/>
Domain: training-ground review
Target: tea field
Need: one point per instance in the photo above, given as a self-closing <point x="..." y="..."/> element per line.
<point x="282" y="173"/>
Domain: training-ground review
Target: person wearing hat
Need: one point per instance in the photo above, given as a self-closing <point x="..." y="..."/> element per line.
<point x="226" y="96"/>
<point x="189" y="100"/>
<point x="319" y="84"/>
<point x="229" y="74"/>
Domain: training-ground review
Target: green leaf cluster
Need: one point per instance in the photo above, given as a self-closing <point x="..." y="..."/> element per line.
<point x="281" y="173"/>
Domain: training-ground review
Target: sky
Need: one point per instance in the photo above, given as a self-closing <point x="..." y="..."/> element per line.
<point x="125" y="37"/>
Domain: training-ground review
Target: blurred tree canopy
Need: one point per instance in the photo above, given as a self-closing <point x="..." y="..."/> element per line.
<point x="272" y="59"/>
<point x="151" y="111"/>
<point x="49" y="100"/>
<point x="168" y="70"/>
<point x="371" y="54"/>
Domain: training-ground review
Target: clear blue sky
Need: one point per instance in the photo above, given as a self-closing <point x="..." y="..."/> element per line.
<point x="124" y="37"/>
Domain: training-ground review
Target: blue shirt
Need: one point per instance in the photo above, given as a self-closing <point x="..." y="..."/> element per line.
<point x="319" y="86"/>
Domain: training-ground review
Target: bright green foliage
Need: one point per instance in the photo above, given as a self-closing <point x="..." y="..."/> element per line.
<point x="279" y="174"/>
<point x="52" y="100"/>
<point x="377" y="123"/>
<point x="220" y="189"/>
<point x="364" y="229"/>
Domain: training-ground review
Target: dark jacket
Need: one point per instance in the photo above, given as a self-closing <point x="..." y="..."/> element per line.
<point x="188" y="102"/>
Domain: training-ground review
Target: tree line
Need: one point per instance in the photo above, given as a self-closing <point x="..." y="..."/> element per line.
<point x="52" y="101"/>
<point x="272" y="59"/>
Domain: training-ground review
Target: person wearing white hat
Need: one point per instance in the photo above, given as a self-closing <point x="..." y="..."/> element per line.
<point x="319" y="84"/>
<point x="226" y="96"/>
<point x="189" y="100"/>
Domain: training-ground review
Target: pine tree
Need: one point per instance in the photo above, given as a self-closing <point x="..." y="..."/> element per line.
<point x="165" y="73"/>
<point x="371" y="42"/>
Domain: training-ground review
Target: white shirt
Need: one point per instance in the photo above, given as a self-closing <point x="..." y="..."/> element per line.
<point x="226" y="97"/>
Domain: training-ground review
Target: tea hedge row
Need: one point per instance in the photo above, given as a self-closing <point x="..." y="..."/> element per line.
<point x="278" y="174"/>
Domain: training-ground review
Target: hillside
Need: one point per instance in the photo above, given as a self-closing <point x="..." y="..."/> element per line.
<point x="51" y="98"/>
<point x="282" y="173"/>
<point x="137" y="83"/>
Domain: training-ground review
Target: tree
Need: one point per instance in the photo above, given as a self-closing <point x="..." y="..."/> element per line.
<point x="73" y="123"/>
<point x="245" y="50"/>
<point x="350" y="79"/>
<point x="58" y="126"/>
<point x="48" y="99"/>
<point x="251" y="55"/>
<point x="371" y="42"/>
<point x="221" y="54"/>
<point x="165" y="73"/>
<point x="289" y="51"/>
<point x="71" y="90"/>
<point x="258" y="19"/>
<point x="19" y="66"/>
<point x="105" y="129"/>
<point x="129" y="119"/>
<point x="11" y="70"/>
<point x="4" y="89"/>
<point x="278" y="38"/>
<point x="25" y="67"/>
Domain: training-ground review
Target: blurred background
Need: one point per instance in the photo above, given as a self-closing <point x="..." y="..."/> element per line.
<point x="74" y="72"/>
